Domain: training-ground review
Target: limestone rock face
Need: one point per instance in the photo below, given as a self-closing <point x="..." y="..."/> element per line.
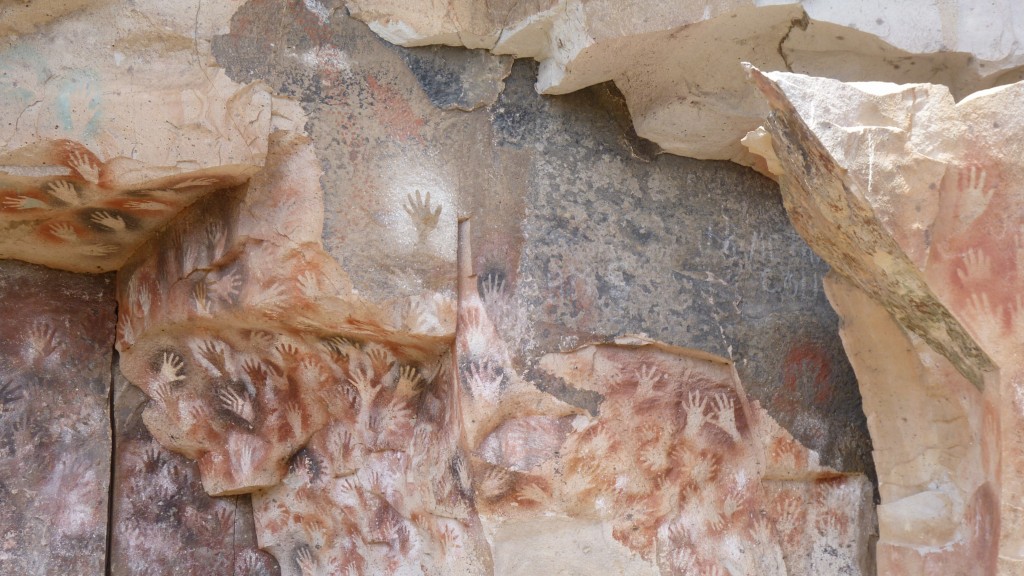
<point x="912" y="200"/>
<point x="55" y="441"/>
<point x="675" y="61"/>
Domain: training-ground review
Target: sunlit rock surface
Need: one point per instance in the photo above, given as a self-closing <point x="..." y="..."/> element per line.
<point x="676" y="62"/>
<point x="132" y="81"/>
<point x="330" y="374"/>
<point x="911" y="197"/>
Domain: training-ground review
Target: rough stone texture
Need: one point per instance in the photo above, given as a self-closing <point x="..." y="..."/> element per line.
<point x="82" y="224"/>
<point x="378" y="149"/>
<point x="690" y="253"/>
<point x="912" y="199"/>
<point x="454" y="78"/>
<point x="116" y="118"/>
<point x="576" y="238"/>
<point x="163" y="522"/>
<point x="669" y="476"/>
<point x="280" y="378"/>
<point x="212" y="332"/>
<point x="56" y="334"/>
<point x="383" y="488"/>
<point x="936" y="453"/>
<point x="677" y="62"/>
<point x="132" y="81"/>
<point x="292" y="307"/>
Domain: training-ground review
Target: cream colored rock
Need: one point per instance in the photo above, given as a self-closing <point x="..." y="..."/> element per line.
<point x="935" y="449"/>
<point x="136" y="81"/>
<point x="915" y="202"/>
<point x="116" y="117"/>
<point x="676" y="62"/>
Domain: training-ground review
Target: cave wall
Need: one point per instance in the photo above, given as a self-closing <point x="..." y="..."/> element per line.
<point x="57" y="335"/>
<point x="385" y="309"/>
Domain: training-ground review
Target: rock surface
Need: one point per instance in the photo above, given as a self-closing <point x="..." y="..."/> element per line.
<point x="912" y="199"/>
<point x="214" y="335"/>
<point x="132" y="81"/>
<point x="282" y="380"/>
<point x="314" y="323"/>
<point x="677" y="62"/>
<point x="80" y="223"/>
<point x="163" y="522"/>
<point x="370" y="448"/>
<point x="675" y="471"/>
<point x="55" y="441"/>
<point x="117" y="117"/>
<point x="579" y="230"/>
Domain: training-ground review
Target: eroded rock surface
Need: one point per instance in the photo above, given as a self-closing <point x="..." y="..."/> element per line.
<point x="83" y="223"/>
<point x="383" y="487"/>
<point x="55" y="440"/>
<point x="163" y="522"/>
<point x="133" y="81"/>
<point x="579" y="228"/>
<point x="675" y="61"/>
<point x="668" y="475"/>
<point x="283" y="379"/>
<point x="912" y="199"/>
<point x="115" y="118"/>
<point x="214" y="335"/>
<point x="390" y="413"/>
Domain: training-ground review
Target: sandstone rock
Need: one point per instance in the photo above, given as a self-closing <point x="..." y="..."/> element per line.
<point x="674" y="60"/>
<point x="393" y="164"/>
<point x="133" y="81"/>
<point x="366" y="453"/>
<point x="55" y="445"/>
